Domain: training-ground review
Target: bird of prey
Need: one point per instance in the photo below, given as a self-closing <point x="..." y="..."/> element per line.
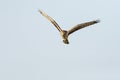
<point x="65" y="33"/>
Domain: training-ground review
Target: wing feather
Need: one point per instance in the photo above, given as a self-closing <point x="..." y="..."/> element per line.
<point x="82" y="25"/>
<point x="51" y="20"/>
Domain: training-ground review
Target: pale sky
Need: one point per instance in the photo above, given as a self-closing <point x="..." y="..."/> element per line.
<point x="32" y="49"/>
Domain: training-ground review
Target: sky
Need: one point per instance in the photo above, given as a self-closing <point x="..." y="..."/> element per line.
<point x="32" y="49"/>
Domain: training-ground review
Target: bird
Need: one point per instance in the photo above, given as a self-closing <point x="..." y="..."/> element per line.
<point x="65" y="33"/>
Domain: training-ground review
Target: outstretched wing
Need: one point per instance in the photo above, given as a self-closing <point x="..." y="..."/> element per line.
<point x="51" y="20"/>
<point x="82" y="25"/>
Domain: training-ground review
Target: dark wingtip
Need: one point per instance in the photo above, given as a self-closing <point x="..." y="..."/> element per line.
<point x="40" y="11"/>
<point x="97" y="21"/>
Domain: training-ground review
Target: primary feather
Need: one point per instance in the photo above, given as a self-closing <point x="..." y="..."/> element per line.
<point x="51" y="20"/>
<point x="82" y="25"/>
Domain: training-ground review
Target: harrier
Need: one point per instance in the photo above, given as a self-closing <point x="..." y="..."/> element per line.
<point x="65" y="33"/>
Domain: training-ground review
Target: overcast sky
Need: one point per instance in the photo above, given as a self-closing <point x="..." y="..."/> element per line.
<point x="32" y="49"/>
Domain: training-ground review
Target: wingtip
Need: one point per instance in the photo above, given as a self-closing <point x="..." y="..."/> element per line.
<point x="40" y="11"/>
<point x="98" y="21"/>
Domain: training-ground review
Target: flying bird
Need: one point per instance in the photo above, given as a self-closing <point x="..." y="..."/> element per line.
<point x="65" y="33"/>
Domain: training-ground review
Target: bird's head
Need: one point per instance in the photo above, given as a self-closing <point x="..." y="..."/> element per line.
<point x="65" y="41"/>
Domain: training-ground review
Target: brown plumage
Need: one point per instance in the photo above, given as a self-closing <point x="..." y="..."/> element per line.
<point x="64" y="34"/>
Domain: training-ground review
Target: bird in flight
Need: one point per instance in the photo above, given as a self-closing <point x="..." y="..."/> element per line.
<point x="65" y="33"/>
